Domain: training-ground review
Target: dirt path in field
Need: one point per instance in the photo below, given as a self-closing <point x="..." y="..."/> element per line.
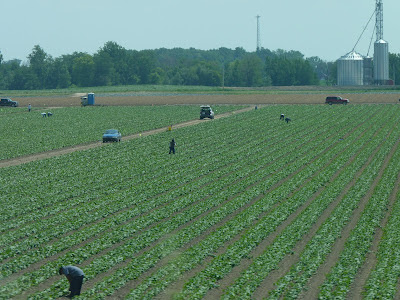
<point x="57" y="152"/>
<point x="147" y="98"/>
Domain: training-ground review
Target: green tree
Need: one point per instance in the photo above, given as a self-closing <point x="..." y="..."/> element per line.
<point x="59" y="76"/>
<point x="112" y="65"/>
<point x="146" y="65"/>
<point x="39" y="64"/>
<point x="24" y="79"/>
<point x="287" y="72"/>
<point x="394" y="67"/>
<point x="251" y="71"/>
<point x="104" y="70"/>
<point x="83" y="70"/>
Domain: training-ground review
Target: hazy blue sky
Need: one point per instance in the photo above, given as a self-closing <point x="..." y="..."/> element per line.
<point x="328" y="29"/>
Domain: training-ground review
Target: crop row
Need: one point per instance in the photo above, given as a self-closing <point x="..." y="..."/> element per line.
<point x="193" y="203"/>
<point x="321" y="244"/>
<point x="383" y="280"/>
<point x="353" y="255"/>
<point x="27" y="133"/>
<point x="283" y="244"/>
<point x="119" y="278"/>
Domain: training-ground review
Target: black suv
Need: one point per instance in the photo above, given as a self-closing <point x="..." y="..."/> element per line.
<point x="336" y="100"/>
<point x="206" y="112"/>
<point x="8" y="102"/>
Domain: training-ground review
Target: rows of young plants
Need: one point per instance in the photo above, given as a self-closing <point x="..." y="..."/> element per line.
<point x="51" y="178"/>
<point x="26" y="133"/>
<point x="211" y="268"/>
<point x="383" y="280"/>
<point x="231" y="179"/>
<point x="320" y="245"/>
<point x="284" y="243"/>
<point x="235" y="131"/>
<point x="339" y="280"/>
<point x="124" y="274"/>
<point x="206" y="222"/>
<point x="47" y="230"/>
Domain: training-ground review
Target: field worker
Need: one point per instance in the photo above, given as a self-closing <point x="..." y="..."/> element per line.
<point x="29" y="107"/>
<point x="172" y="146"/>
<point x="288" y="120"/>
<point x="282" y="117"/>
<point x="75" y="277"/>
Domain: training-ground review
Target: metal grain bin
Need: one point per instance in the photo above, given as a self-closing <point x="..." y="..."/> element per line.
<point x="350" y="70"/>
<point x="368" y="71"/>
<point x="381" y="62"/>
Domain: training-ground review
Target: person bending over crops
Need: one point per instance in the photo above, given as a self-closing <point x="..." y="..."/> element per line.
<point x="75" y="277"/>
<point x="282" y="117"/>
<point x="288" y="120"/>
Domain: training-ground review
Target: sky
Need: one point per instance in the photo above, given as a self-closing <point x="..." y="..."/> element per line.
<point x="325" y="28"/>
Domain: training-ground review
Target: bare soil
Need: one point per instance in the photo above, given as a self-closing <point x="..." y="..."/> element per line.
<point x="125" y="100"/>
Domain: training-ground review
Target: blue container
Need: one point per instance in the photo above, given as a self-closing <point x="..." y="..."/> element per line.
<point x="90" y="99"/>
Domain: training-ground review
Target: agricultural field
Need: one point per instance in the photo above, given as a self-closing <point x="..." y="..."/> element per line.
<point x="249" y="207"/>
<point x="24" y="133"/>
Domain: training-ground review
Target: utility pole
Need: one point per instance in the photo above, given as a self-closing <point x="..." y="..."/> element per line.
<point x="258" y="33"/>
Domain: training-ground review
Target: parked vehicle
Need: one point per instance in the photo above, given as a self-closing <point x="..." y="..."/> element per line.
<point x="206" y="112"/>
<point x="8" y="102"/>
<point x="336" y="100"/>
<point x="112" y="135"/>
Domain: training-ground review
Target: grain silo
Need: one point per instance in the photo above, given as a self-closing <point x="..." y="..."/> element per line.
<point x="381" y="62"/>
<point x="368" y="70"/>
<point x="381" y="48"/>
<point x="350" y="69"/>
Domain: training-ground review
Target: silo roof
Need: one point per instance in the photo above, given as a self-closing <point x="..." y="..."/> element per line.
<point x="352" y="55"/>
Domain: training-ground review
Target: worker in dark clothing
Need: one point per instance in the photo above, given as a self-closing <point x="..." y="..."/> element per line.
<point x="282" y="117"/>
<point x="75" y="277"/>
<point x="172" y="146"/>
<point x="288" y="120"/>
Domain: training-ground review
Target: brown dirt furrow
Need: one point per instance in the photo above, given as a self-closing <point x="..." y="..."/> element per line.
<point x="294" y="97"/>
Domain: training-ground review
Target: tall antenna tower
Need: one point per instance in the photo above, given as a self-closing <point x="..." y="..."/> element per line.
<point x="379" y="20"/>
<point x="258" y="33"/>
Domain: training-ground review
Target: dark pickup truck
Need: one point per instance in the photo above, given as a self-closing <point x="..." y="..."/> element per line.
<point x="336" y="100"/>
<point x="8" y="102"/>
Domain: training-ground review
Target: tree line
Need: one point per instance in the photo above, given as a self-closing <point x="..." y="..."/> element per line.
<point x="114" y="65"/>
